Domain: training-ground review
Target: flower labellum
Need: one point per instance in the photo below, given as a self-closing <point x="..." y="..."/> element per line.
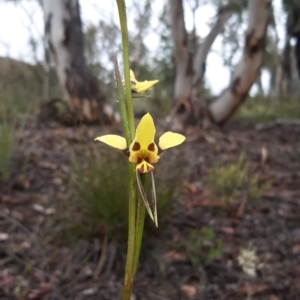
<point x="144" y="152"/>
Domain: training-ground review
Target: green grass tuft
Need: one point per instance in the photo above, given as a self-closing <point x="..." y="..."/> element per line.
<point x="7" y="148"/>
<point x="99" y="194"/>
<point x="202" y="246"/>
<point x="229" y="181"/>
<point x="11" y="126"/>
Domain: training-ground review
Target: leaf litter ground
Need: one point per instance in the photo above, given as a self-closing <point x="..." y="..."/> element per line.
<point x="36" y="264"/>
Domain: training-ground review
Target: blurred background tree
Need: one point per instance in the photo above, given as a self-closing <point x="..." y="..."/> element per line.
<point x="65" y="41"/>
<point x="166" y="44"/>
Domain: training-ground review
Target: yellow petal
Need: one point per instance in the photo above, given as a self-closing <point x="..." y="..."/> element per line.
<point x="142" y="87"/>
<point x="113" y="140"/>
<point x="133" y="80"/>
<point x="145" y="132"/>
<point x="132" y="77"/>
<point x="170" y="139"/>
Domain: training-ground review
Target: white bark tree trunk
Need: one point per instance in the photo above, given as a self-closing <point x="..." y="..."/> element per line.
<point x="223" y="107"/>
<point x="190" y="68"/>
<point x="182" y="55"/>
<point x="202" y="52"/>
<point x="64" y="37"/>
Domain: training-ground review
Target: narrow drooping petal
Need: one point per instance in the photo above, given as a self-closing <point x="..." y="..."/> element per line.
<point x="113" y="140"/>
<point x="154" y="202"/>
<point x="144" y="196"/>
<point x="170" y="139"/>
<point x="152" y="211"/>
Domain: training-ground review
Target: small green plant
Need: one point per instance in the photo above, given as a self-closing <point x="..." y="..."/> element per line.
<point x="232" y="180"/>
<point x="202" y="246"/>
<point x="21" y="97"/>
<point x="6" y="149"/>
<point x="98" y="199"/>
<point x="18" y="101"/>
<point x="23" y="86"/>
<point x="8" y="142"/>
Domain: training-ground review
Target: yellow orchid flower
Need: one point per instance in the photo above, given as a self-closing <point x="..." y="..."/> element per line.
<point x="144" y="152"/>
<point x="140" y="87"/>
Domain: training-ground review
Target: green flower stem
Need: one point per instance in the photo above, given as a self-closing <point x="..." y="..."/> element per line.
<point x="124" y="31"/>
<point x="136" y="218"/>
<point x="131" y="254"/>
<point x="140" y="220"/>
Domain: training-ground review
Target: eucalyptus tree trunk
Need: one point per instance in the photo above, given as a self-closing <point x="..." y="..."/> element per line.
<point x="223" y="15"/>
<point x="190" y="65"/>
<point x="183" y="58"/>
<point x="292" y="9"/>
<point x="247" y="70"/>
<point x="297" y="50"/>
<point x="285" y="79"/>
<point x="64" y="39"/>
<point x="190" y="68"/>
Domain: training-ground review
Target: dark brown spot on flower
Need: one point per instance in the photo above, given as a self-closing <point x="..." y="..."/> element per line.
<point x="136" y="146"/>
<point x="151" y="147"/>
<point x="133" y="82"/>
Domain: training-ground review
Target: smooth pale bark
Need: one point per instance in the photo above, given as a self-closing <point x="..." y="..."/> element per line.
<point x="190" y="68"/>
<point x="202" y="52"/>
<point x="64" y="37"/>
<point x="247" y="70"/>
<point x="182" y="55"/>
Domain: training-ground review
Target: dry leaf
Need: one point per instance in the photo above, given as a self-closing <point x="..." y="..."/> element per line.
<point x="57" y="181"/>
<point x="296" y="249"/>
<point x="173" y="256"/>
<point x="189" y="290"/>
<point x="48" y="165"/>
<point x="264" y="155"/>
<point x="253" y="289"/>
<point x="3" y="236"/>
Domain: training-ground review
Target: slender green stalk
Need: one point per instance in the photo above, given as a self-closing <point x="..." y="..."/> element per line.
<point x="124" y="31"/>
<point x="131" y="254"/>
<point x="136" y="216"/>
<point x="135" y="219"/>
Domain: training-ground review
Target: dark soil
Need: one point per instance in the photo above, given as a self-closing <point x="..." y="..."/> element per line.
<point x="35" y="263"/>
